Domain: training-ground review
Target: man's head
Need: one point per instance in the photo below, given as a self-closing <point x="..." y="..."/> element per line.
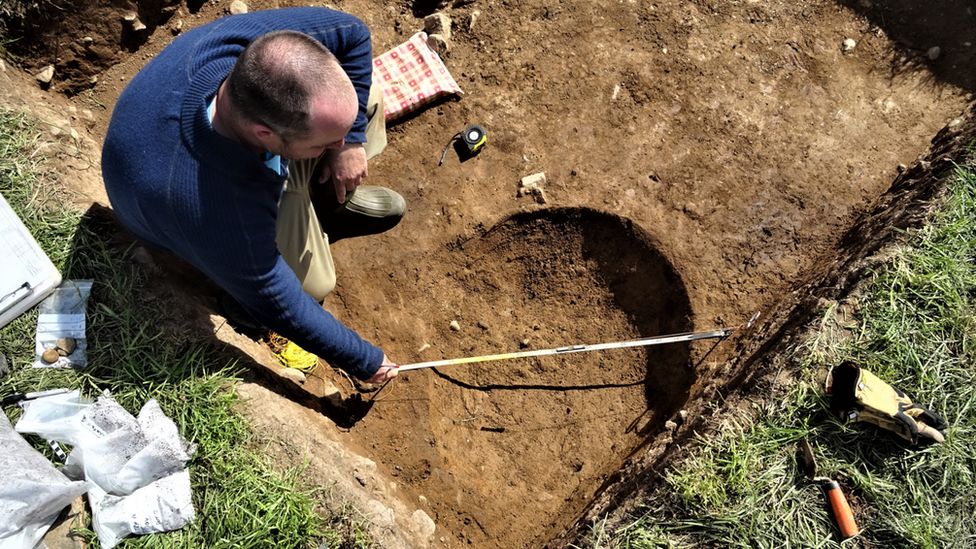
<point x="292" y="95"/>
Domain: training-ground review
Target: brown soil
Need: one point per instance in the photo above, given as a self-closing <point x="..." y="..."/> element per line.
<point x="702" y="159"/>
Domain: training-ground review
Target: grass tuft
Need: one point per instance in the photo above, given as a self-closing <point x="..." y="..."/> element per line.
<point x="242" y="499"/>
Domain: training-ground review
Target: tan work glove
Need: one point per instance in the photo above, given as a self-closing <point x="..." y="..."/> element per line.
<point x="858" y="395"/>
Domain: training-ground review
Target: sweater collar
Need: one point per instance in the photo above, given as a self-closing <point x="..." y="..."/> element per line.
<point x="204" y="143"/>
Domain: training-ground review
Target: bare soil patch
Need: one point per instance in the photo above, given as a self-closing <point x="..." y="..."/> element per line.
<point x="702" y="157"/>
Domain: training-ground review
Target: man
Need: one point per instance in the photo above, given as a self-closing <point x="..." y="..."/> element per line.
<point x="220" y="150"/>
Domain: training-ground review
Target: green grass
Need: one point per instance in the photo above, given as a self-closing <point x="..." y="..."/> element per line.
<point x="242" y="499"/>
<point x="913" y="326"/>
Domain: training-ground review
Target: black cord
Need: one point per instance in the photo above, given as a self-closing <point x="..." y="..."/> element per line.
<point x="456" y="136"/>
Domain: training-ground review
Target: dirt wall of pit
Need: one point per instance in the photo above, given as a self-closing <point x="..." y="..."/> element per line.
<point x="904" y="206"/>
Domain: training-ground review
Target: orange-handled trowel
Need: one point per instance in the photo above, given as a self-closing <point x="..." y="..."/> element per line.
<point x="838" y="503"/>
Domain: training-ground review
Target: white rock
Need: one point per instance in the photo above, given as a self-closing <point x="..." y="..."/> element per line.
<point x="474" y="17"/>
<point x="424" y="523"/>
<point x="455" y="327"/>
<point x="295" y="375"/>
<point x="238" y="7"/>
<point x="533" y="185"/>
<point x="438" y="23"/>
<point x="848" y="45"/>
<point x="934" y="52"/>
<point x="46" y="74"/>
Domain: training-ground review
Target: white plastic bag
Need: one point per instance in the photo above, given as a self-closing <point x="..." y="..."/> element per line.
<point x="136" y="467"/>
<point x="56" y="417"/>
<point x="126" y="453"/>
<point x="62" y="315"/>
<point x="32" y="491"/>
<point x="162" y="506"/>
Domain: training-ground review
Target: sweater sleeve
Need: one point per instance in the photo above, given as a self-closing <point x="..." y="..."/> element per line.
<point x="239" y="253"/>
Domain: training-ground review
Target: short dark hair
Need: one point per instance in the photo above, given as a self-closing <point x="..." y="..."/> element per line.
<point x="277" y="76"/>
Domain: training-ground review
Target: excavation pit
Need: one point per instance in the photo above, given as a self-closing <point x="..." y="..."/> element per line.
<point x="502" y="451"/>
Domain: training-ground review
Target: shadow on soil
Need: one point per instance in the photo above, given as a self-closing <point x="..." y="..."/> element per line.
<point x="916" y="27"/>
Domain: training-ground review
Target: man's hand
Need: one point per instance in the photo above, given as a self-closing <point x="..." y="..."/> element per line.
<point x="388" y="370"/>
<point x="346" y="166"/>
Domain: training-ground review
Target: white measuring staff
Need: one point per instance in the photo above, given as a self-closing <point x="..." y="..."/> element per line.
<point x="656" y="340"/>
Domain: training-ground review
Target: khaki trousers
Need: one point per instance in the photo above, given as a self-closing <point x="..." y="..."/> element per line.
<point x="301" y="242"/>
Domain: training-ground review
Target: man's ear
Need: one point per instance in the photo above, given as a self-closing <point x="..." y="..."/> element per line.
<point x="265" y="136"/>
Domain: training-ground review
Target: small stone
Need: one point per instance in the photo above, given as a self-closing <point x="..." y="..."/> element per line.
<point x="902" y="168"/>
<point x="237" y="7"/>
<point x="67" y="344"/>
<point x="50" y="356"/>
<point x="934" y="52"/>
<point x="142" y="256"/>
<point x="455" y="327"/>
<point x="423" y="347"/>
<point x="438" y="44"/>
<point x="438" y="23"/>
<point x="87" y="40"/>
<point x="848" y="45"/>
<point x="670" y="425"/>
<point x="532" y="185"/>
<point x="177" y="27"/>
<point x="46" y="74"/>
<point x="483" y="325"/>
<point x="524" y="343"/>
<point x="474" y="17"/>
<point x="295" y="375"/>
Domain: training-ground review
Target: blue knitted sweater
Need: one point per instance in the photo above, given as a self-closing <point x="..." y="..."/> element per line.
<point x="178" y="185"/>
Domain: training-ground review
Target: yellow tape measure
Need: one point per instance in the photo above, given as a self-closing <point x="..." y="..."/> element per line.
<point x="474" y="137"/>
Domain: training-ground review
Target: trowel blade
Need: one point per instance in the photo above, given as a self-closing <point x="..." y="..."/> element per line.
<point x="808" y="459"/>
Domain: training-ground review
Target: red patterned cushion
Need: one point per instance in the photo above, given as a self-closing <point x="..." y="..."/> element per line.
<point x="410" y="76"/>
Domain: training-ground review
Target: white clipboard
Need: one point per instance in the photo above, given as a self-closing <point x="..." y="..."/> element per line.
<point x="26" y="273"/>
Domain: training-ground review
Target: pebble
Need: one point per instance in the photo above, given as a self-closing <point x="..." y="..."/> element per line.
<point x="934" y="52"/>
<point x="438" y="44"/>
<point x="67" y="344"/>
<point x="295" y="375"/>
<point x="238" y="7"/>
<point x="533" y="185"/>
<point x="848" y="45"/>
<point x="455" y="327"/>
<point x="46" y="74"/>
<point x="438" y="23"/>
<point x="50" y="356"/>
